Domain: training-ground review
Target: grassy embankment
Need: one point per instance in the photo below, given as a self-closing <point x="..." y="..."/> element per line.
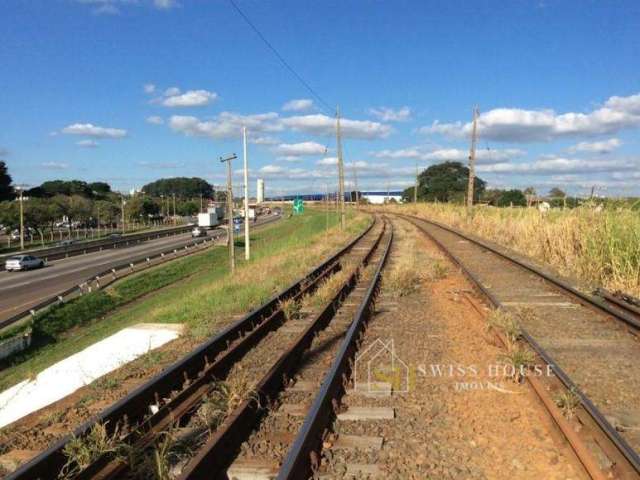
<point x="597" y="248"/>
<point x="196" y="291"/>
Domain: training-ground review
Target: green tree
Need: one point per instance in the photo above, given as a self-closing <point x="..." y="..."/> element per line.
<point x="180" y="186"/>
<point x="555" y="192"/>
<point x="513" y="197"/>
<point x="99" y="188"/>
<point x="6" y="190"/>
<point x="188" y="208"/>
<point x="407" y="194"/>
<point x="491" y="196"/>
<point x="447" y="182"/>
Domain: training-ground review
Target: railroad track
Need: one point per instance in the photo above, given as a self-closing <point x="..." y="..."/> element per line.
<point x="589" y="344"/>
<point x="170" y="400"/>
<point x="620" y="301"/>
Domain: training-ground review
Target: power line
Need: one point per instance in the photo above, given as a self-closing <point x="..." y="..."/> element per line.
<point x="281" y="58"/>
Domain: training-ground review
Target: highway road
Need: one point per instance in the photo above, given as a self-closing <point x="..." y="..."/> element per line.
<point x="22" y="290"/>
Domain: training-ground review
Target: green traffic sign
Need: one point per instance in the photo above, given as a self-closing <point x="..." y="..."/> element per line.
<point x="298" y="206"/>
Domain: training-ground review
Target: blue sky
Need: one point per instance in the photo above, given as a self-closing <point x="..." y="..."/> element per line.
<point x="128" y="91"/>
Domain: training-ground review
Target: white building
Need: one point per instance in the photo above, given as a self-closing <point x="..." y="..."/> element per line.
<point x="260" y="190"/>
<point x="381" y="197"/>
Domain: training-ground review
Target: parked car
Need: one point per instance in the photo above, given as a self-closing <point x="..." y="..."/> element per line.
<point x="198" y="232"/>
<point x="23" y="262"/>
<point x="66" y="243"/>
<point x="115" y="236"/>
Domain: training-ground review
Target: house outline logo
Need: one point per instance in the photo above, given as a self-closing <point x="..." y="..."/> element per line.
<point x="376" y="350"/>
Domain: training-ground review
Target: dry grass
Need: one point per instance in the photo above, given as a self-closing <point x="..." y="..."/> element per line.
<point x="326" y="291"/>
<point x="567" y="401"/>
<point x="291" y="308"/>
<point x="505" y="322"/>
<point x="518" y="359"/>
<point x="82" y="451"/>
<point x="597" y="248"/>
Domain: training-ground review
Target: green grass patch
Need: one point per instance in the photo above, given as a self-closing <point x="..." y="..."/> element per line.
<point x="196" y="290"/>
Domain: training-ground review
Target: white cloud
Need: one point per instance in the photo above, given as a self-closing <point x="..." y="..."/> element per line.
<point x="604" y="146"/>
<point x="149" y="88"/>
<point x="54" y="166"/>
<point x="559" y="165"/>
<point x="271" y="169"/>
<point x="112" y="7"/>
<point x="226" y="125"/>
<point x="385" y="114"/>
<point x="323" y="125"/>
<point x="165" y="4"/>
<point x="451" y="154"/>
<point x="229" y="125"/>
<point x="155" y="120"/>
<point x="263" y="140"/>
<point x="90" y="130"/>
<point x="299" y="149"/>
<point x="192" y="98"/>
<point x="172" y="92"/>
<point x="87" y="143"/>
<point x="327" y="161"/>
<point x="298" y="105"/>
<point x="518" y="125"/>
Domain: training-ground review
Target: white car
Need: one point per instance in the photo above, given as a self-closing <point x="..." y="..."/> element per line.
<point x="23" y="262"/>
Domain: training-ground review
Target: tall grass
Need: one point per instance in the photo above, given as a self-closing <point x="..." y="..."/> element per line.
<point x="597" y="248"/>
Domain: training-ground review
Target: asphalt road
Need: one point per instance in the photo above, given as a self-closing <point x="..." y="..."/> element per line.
<point x="22" y="290"/>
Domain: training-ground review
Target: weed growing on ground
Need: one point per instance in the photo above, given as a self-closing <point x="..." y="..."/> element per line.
<point x="82" y="451"/>
<point x="291" y="308"/>
<point x="567" y="401"/>
<point x="518" y="359"/>
<point x="505" y="322"/>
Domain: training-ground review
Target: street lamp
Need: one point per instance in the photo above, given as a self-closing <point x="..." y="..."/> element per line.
<point x="232" y="253"/>
<point x="21" y="200"/>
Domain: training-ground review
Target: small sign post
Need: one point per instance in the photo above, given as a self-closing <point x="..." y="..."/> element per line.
<point x="298" y="206"/>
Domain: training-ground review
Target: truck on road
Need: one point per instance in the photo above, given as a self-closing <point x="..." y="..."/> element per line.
<point x="208" y="220"/>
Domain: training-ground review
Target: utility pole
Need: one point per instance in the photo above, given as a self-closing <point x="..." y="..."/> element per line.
<point x="232" y="253"/>
<point x="201" y="208"/>
<point x="174" y="208"/>
<point x="472" y="158"/>
<point x="246" y="195"/>
<point x="355" y="180"/>
<point x="415" y="186"/>
<point x="340" y="169"/>
<point x="123" y="203"/>
<point x="21" y="220"/>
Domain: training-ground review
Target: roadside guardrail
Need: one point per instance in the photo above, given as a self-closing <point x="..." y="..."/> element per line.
<point x="82" y="248"/>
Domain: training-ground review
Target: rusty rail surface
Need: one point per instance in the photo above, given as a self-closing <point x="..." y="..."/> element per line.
<point x="218" y="453"/>
<point x="182" y="376"/>
<point x="629" y="460"/>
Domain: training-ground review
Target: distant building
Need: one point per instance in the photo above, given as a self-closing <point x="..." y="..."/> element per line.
<point x="381" y="197"/>
<point x="260" y="191"/>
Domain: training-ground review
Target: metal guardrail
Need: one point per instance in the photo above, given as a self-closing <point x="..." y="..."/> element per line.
<point x="55" y="253"/>
<point x="106" y="277"/>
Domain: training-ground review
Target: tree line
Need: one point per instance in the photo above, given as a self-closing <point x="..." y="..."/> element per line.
<point x="68" y="204"/>
<point x="447" y="182"/>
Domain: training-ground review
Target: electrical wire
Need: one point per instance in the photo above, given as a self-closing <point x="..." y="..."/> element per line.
<point x="281" y="58"/>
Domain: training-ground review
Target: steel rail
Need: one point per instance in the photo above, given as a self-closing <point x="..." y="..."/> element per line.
<point x="300" y="460"/>
<point x="179" y="408"/>
<point x="134" y="407"/>
<point x="583" y="298"/>
<point x="620" y="300"/>
<point x="611" y="433"/>
<point x="217" y="454"/>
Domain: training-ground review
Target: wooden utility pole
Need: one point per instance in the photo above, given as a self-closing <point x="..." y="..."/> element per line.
<point x="415" y="186"/>
<point x="355" y="180"/>
<point x="472" y="158"/>
<point x="340" y="170"/>
<point x="246" y="194"/>
<point x="230" y="235"/>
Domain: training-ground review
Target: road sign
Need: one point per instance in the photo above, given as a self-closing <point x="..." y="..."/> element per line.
<point x="298" y="206"/>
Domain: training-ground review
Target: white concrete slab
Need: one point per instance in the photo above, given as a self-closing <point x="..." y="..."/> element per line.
<point x="82" y="368"/>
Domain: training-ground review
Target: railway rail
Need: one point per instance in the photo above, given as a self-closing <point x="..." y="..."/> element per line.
<point x="584" y="340"/>
<point x="171" y="397"/>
